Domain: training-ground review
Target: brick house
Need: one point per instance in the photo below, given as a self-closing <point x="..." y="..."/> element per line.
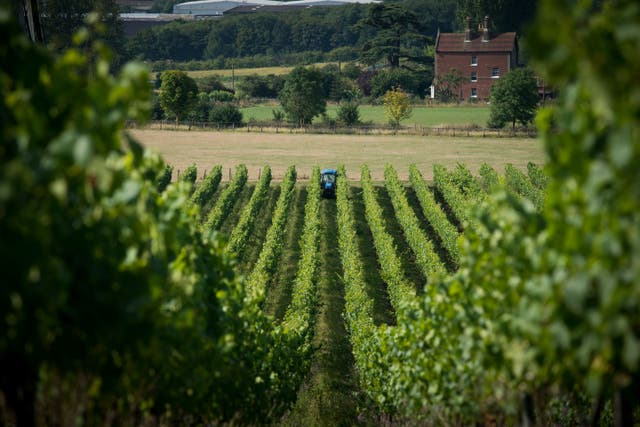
<point x="480" y="57"/>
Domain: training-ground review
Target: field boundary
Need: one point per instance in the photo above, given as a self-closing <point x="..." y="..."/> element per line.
<point x="415" y="130"/>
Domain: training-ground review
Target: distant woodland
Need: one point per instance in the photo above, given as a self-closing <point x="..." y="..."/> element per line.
<point x="298" y="36"/>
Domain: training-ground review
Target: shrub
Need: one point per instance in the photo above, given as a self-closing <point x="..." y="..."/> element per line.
<point x="386" y="80"/>
<point x="348" y="113"/>
<point x="220" y="96"/>
<point x="225" y="113"/>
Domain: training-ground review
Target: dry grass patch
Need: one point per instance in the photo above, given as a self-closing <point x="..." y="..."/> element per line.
<point x="208" y="148"/>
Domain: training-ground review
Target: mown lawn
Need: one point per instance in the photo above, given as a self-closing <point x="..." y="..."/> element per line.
<point x="422" y="115"/>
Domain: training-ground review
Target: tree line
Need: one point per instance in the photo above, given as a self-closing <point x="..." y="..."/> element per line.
<point x="318" y="29"/>
<point x="315" y="29"/>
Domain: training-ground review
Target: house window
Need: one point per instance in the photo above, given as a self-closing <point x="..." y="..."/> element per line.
<point x="495" y="73"/>
<point x="474" y="76"/>
<point x="474" y="60"/>
<point x="474" y="92"/>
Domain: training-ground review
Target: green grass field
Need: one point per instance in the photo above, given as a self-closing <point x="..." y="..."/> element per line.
<point x="422" y="115"/>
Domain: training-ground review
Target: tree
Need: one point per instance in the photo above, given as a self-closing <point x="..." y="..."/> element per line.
<point x="302" y="96"/>
<point x="61" y="19"/>
<point x="514" y="98"/>
<point x="397" y="36"/>
<point x="178" y="93"/>
<point x="448" y="86"/>
<point x="397" y="107"/>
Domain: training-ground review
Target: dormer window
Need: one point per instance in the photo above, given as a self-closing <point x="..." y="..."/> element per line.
<point x="474" y="61"/>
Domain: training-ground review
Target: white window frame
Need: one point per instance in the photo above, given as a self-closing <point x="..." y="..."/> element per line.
<point x="474" y="63"/>
<point x="474" y="92"/>
<point x="495" y="72"/>
<point x="474" y="76"/>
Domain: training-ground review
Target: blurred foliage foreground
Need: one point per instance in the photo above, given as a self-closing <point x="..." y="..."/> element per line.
<point x="116" y="308"/>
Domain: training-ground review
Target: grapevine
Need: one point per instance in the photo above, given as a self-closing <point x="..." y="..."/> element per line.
<point x="426" y="257"/>
<point x="242" y="230"/>
<point x="262" y="271"/>
<point x="224" y="204"/>
<point x="433" y="213"/>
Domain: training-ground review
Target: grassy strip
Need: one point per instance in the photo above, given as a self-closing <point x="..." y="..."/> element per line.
<point x="244" y="228"/>
<point x="537" y="176"/>
<point x="327" y="395"/>
<point x="401" y="293"/>
<point x="447" y="232"/>
<point x="256" y="283"/>
<point x="426" y="257"/>
<point x="518" y="181"/>
<point x="207" y="187"/>
<point x="300" y="312"/>
<point x="227" y="198"/>
<point x="421" y="116"/>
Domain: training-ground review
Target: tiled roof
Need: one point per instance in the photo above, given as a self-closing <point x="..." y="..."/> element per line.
<point x="454" y="42"/>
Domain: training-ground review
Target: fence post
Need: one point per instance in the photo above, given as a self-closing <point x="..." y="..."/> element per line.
<point x="259" y="173"/>
<point x="229" y="174"/>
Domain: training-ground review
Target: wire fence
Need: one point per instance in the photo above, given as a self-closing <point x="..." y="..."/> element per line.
<point x="322" y="128"/>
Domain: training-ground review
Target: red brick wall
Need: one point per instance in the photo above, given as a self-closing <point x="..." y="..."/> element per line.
<point x="462" y="62"/>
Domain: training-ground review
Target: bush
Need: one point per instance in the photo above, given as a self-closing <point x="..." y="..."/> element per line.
<point x="278" y="115"/>
<point x="351" y="71"/>
<point x="255" y="86"/>
<point x="348" y="113"/>
<point x="209" y="84"/>
<point x="201" y="110"/>
<point x="220" y="96"/>
<point x="386" y="80"/>
<point x="225" y="113"/>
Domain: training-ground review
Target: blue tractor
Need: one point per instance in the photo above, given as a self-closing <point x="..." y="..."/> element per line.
<point x="328" y="182"/>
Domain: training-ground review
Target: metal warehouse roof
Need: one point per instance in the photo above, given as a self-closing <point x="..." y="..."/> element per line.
<point x="218" y="7"/>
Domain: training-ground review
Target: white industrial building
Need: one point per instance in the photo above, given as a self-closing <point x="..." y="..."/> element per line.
<point x="220" y="7"/>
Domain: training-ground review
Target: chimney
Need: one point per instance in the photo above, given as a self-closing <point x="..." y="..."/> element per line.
<point x="485" y="29"/>
<point x="467" y="31"/>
